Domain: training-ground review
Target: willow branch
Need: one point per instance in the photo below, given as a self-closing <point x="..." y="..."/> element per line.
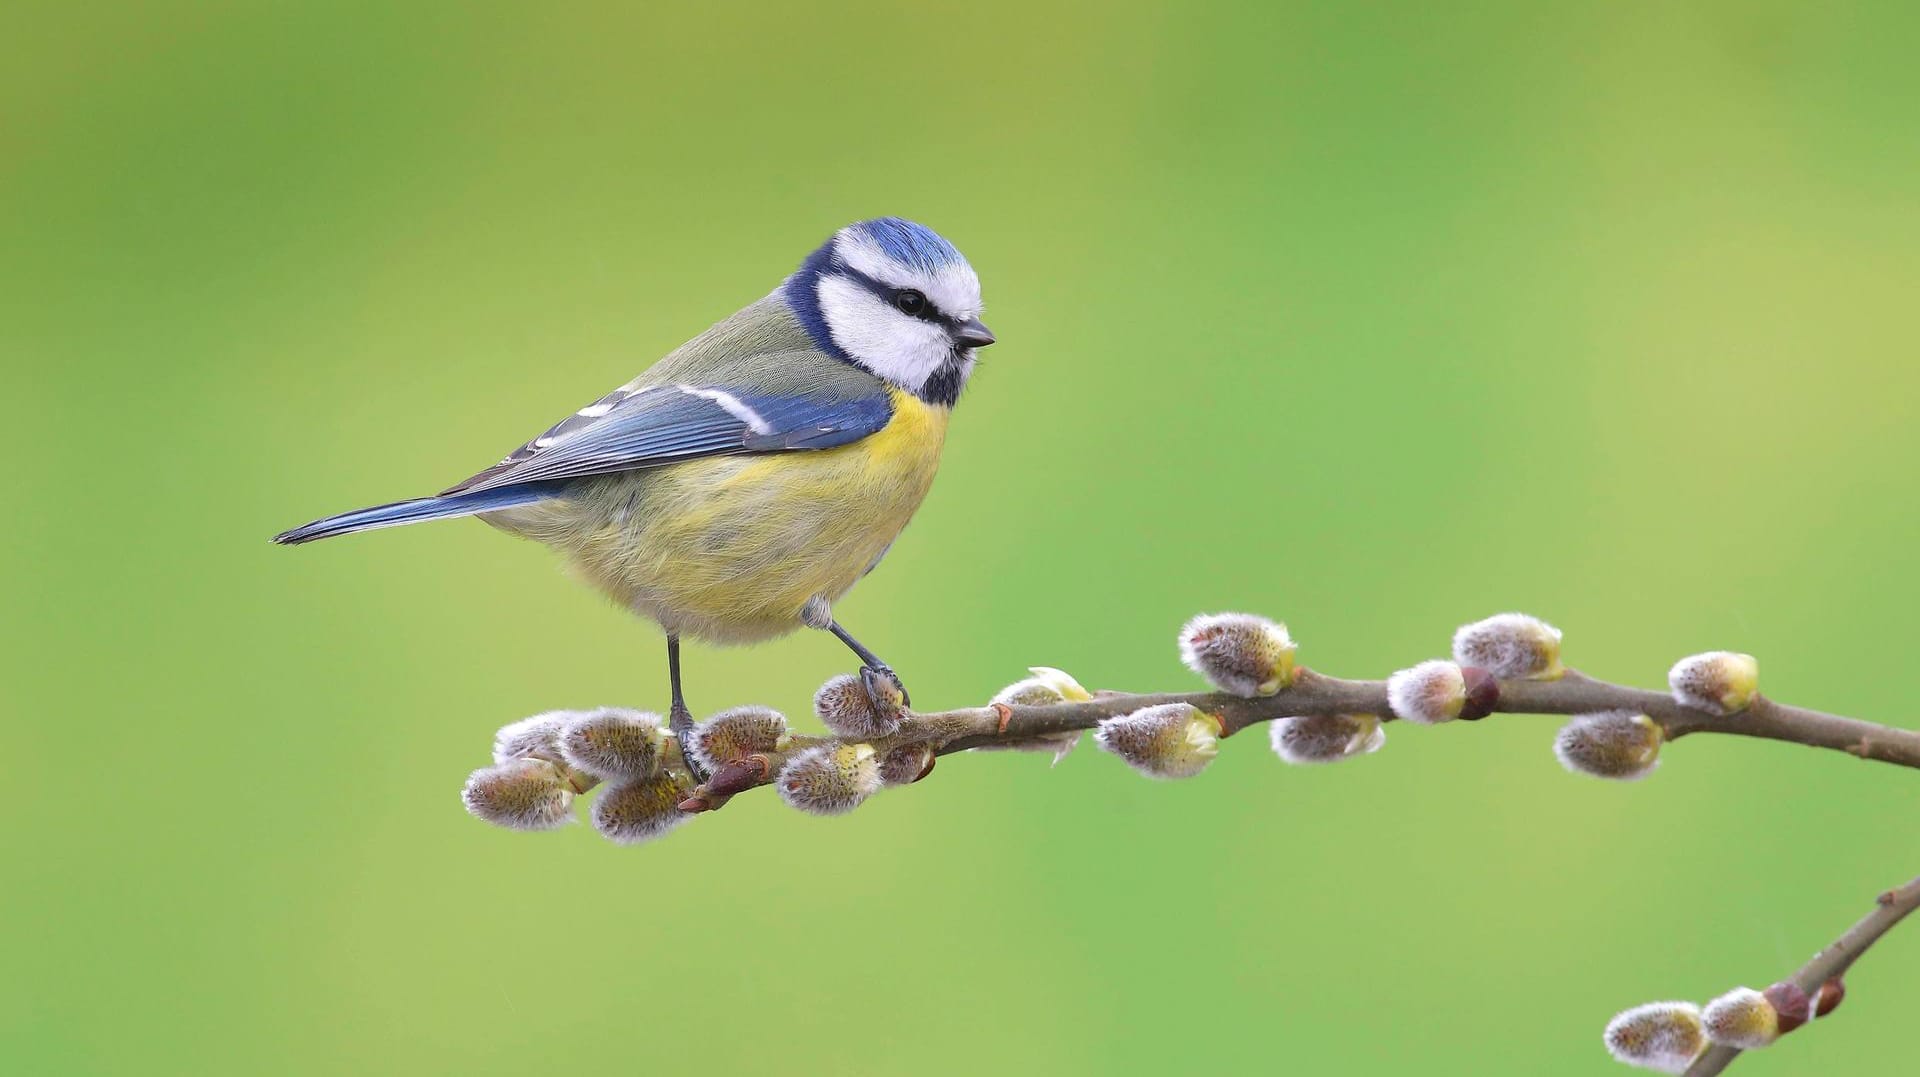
<point x="1505" y="664"/>
<point x="1831" y="963"/>
<point x="1312" y="693"/>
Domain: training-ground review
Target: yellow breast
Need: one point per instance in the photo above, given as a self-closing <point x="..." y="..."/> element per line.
<point x="730" y="548"/>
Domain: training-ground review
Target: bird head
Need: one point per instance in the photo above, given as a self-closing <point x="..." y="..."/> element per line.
<point x="895" y="299"/>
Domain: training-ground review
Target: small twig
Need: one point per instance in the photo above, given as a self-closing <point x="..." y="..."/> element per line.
<point x="1889" y="909"/>
<point x="1315" y="694"/>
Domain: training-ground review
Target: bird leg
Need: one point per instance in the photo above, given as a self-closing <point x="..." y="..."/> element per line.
<point x="875" y="669"/>
<point x="679" y="718"/>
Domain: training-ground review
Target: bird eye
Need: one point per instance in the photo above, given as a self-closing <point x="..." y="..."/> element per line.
<point x="909" y="301"/>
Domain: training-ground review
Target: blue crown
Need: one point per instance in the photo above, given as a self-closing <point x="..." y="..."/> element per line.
<point x="910" y="244"/>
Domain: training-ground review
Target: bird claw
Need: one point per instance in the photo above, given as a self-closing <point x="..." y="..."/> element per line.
<point x="680" y="724"/>
<point x="884" y="689"/>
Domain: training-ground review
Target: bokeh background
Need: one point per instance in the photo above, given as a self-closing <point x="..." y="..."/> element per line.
<point x="1373" y="317"/>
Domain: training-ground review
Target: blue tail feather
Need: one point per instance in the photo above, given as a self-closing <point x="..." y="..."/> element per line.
<point x="413" y="512"/>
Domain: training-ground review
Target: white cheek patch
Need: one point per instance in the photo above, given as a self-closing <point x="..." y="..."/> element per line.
<point x="898" y="347"/>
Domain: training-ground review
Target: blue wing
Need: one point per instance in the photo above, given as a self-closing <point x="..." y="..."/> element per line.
<point x="631" y="429"/>
<point x="665" y="424"/>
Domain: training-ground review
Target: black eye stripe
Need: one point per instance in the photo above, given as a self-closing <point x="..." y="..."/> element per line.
<point x="928" y="312"/>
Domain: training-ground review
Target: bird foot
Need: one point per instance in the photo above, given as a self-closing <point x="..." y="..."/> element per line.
<point x="680" y="724"/>
<point x="885" y="689"/>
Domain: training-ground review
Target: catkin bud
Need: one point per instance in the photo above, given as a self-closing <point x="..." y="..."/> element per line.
<point x="519" y="794"/>
<point x="1832" y="994"/>
<point x="1440" y="691"/>
<point x="1047" y="687"/>
<point x="846" y="707"/>
<point x="641" y="809"/>
<point x="1719" y="682"/>
<point x="1326" y="738"/>
<point x="1791" y="1003"/>
<point x="737" y="733"/>
<point x="1511" y="646"/>
<point x="830" y="780"/>
<point x="1429" y="693"/>
<point x="537" y="737"/>
<point x="1662" y="1036"/>
<point x="1171" y="740"/>
<point x="1239" y="652"/>
<point x="1742" y="1018"/>
<point x="1611" y="744"/>
<point x="906" y="764"/>
<point x="613" y="743"/>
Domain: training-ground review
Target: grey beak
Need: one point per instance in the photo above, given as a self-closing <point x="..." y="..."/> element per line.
<point x="972" y="334"/>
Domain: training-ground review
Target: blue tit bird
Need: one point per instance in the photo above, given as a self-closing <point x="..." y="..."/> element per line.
<point x="741" y="485"/>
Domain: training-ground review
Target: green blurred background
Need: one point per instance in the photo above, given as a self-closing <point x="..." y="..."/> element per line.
<point x="1373" y="317"/>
